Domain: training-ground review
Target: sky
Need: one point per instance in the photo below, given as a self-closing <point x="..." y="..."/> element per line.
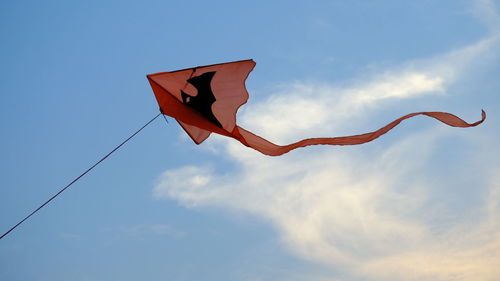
<point x="420" y="203"/>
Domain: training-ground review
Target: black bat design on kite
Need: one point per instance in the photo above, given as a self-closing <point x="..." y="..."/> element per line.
<point x="203" y="101"/>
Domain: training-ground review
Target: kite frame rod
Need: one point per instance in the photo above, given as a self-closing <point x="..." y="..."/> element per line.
<point x="80" y="176"/>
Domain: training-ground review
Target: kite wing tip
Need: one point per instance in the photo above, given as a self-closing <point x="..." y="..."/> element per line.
<point x="483" y="117"/>
<point x="253" y="62"/>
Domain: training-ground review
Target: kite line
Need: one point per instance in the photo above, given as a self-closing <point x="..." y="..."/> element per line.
<point x="80" y="176"/>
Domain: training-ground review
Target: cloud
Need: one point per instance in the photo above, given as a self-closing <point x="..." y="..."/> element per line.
<point x="190" y="178"/>
<point x="366" y="213"/>
<point x="300" y="110"/>
<point x="469" y="251"/>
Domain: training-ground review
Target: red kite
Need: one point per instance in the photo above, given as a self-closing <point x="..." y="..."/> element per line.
<point x="205" y="100"/>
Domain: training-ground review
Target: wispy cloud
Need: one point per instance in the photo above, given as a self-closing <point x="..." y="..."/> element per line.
<point x="487" y="12"/>
<point x="368" y="214"/>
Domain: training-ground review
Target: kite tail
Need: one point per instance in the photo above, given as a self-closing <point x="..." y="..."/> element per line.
<point x="266" y="147"/>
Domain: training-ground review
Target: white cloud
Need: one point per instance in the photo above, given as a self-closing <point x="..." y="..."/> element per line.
<point x="302" y="110"/>
<point x="370" y="224"/>
<point x="367" y="213"/>
<point x="186" y="178"/>
<point x="402" y="86"/>
<point x="469" y="251"/>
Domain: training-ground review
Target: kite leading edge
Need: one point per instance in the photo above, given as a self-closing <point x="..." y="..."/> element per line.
<point x="205" y="100"/>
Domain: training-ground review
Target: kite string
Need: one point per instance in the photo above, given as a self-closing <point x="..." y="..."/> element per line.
<point x="164" y="117"/>
<point x="80" y="176"/>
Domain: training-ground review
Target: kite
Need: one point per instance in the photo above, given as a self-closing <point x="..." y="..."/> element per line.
<point x="205" y="100"/>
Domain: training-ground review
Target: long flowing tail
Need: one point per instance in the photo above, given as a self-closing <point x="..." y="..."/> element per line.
<point x="266" y="147"/>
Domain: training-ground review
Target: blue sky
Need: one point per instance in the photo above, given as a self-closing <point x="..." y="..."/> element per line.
<point x="420" y="203"/>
